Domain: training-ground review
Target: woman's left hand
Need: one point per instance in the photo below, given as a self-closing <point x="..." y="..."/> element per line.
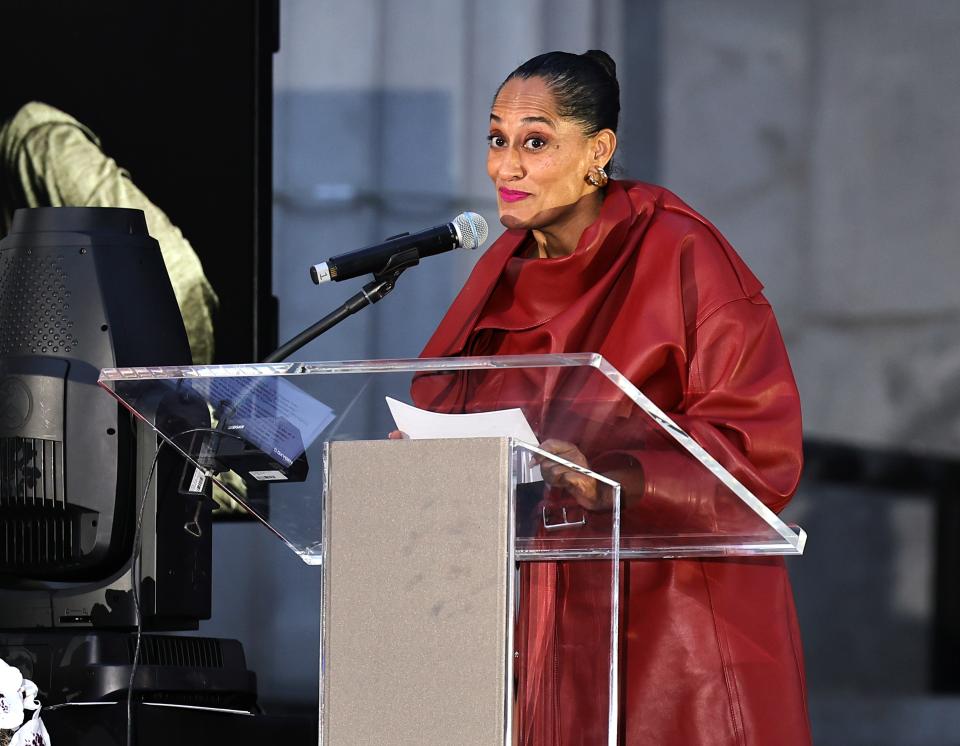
<point x="585" y="490"/>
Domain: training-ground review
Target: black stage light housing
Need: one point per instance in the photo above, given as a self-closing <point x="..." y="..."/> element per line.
<point x="82" y="289"/>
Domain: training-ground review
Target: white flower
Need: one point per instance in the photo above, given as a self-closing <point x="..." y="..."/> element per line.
<point x="11" y="710"/>
<point x="16" y="694"/>
<point x="10" y="678"/>
<point x="33" y="733"/>
<point x="29" y="691"/>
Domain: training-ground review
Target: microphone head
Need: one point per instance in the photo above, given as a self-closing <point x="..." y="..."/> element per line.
<point x="471" y="229"/>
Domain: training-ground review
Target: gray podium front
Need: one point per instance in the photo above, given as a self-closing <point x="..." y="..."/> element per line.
<point x="422" y="544"/>
<point x="417" y="619"/>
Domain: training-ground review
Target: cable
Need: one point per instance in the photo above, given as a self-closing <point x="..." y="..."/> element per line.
<point x="134" y="585"/>
<point x="135" y="579"/>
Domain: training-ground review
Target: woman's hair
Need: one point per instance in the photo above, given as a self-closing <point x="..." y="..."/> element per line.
<point x="584" y="85"/>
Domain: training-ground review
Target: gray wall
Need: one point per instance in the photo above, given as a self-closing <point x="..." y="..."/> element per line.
<point x="819" y="135"/>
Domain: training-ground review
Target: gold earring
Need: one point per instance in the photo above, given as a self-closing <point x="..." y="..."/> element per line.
<point x="597" y="177"/>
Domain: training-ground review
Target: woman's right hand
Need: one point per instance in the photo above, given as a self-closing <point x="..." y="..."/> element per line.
<point x="397" y="435"/>
<point x="582" y="488"/>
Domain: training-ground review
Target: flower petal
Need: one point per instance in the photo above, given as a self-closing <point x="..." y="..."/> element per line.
<point x="11" y="711"/>
<point x="10" y="678"/>
<point x="33" y="733"/>
<point x="29" y="692"/>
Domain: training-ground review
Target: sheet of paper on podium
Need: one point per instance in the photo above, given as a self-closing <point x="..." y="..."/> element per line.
<point x="421" y="424"/>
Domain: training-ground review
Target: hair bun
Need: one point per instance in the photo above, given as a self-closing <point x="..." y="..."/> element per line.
<point x="604" y="60"/>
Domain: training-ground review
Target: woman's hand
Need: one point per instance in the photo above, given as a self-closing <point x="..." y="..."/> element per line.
<point x="585" y="490"/>
<point x="397" y="435"/>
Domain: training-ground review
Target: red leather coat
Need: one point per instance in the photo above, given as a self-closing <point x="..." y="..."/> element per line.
<point x="710" y="649"/>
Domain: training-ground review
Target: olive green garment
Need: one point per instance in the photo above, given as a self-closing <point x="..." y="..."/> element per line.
<point x="48" y="158"/>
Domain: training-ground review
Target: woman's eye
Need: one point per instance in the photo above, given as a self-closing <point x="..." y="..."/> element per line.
<point x="496" y="141"/>
<point x="534" y="143"/>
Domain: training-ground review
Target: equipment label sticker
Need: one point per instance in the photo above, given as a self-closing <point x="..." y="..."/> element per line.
<point x="269" y="476"/>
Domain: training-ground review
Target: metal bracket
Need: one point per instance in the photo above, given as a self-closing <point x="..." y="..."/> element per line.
<point x="192" y="527"/>
<point x="566" y="522"/>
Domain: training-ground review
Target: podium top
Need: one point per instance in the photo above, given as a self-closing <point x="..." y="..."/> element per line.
<point x="269" y="424"/>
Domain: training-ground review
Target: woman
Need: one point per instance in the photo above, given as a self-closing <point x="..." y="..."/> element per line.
<point x="710" y="648"/>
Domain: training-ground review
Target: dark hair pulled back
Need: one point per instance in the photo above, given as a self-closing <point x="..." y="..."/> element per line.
<point x="584" y="85"/>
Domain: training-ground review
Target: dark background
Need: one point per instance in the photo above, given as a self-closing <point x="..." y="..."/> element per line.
<point x="180" y="94"/>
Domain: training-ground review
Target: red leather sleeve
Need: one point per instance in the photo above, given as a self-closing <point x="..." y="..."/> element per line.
<point x="742" y="404"/>
<point x="743" y="408"/>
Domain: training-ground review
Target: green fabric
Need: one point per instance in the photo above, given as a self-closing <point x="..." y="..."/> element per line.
<point x="48" y="158"/>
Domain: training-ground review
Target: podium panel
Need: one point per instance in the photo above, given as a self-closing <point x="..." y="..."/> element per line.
<point x="275" y="420"/>
<point x="435" y="556"/>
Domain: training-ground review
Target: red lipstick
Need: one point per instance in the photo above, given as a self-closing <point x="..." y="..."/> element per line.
<point x="512" y="195"/>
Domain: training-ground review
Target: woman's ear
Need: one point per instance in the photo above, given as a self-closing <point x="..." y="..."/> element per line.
<point x="604" y="146"/>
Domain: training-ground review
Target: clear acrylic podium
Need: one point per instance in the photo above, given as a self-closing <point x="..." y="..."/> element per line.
<point x="427" y="547"/>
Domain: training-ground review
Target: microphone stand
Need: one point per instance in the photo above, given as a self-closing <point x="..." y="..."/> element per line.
<point x="383" y="282"/>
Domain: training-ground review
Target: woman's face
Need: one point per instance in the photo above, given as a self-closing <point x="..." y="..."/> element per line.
<point x="537" y="160"/>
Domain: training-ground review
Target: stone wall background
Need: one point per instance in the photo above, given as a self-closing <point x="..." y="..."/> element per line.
<point x="821" y="136"/>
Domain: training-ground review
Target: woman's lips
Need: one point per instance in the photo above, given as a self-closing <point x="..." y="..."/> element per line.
<point x="512" y="195"/>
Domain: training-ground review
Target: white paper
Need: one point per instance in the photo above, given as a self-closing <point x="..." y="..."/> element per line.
<point x="420" y="424"/>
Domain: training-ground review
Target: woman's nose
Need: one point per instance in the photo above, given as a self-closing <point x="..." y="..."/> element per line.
<point x="511" y="166"/>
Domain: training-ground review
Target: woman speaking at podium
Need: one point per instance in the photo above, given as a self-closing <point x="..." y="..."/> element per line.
<point x="710" y="648"/>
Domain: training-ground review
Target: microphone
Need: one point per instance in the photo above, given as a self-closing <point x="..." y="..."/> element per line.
<point x="467" y="231"/>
